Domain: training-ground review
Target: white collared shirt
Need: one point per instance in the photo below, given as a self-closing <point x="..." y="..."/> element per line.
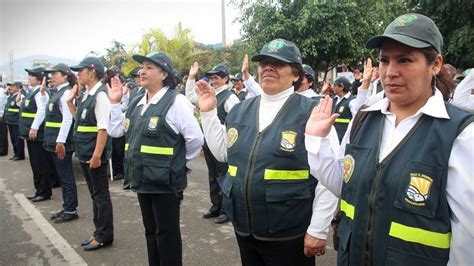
<point x="66" y="113"/>
<point x="192" y="96"/>
<point x="460" y="183"/>
<point x="180" y="118"/>
<point x="463" y="96"/>
<point x="41" y="102"/>
<point x="309" y="93"/>
<point x="102" y="106"/>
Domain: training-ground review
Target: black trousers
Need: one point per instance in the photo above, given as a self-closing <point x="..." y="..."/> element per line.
<point x="118" y="152"/>
<point x="215" y="169"/>
<point x="254" y="252"/>
<point x="3" y="138"/>
<point x="98" y="184"/>
<point x="17" y="143"/>
<point x="160" y="213"/>
<point x="39" y="161"/>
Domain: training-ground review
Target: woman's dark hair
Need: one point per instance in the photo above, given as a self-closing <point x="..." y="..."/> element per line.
<point x="170" y="80"/>
<point x="297" y="70"/>
<point x="107" y="77"/>
<point x="38" y="76"/>
<point x="442" y="80"/>
<point x="71" y="78"/>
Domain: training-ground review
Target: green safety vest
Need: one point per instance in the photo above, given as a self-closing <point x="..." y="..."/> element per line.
<point x="12" y="110"/>
<point x="85" y="129"/>
<point x="155" y="156"/>
<point x="27" y="116"/>
<point x="345" y="115"/>
<point x="221" y="99"/>
<point x="268" y="190"/>
<point x="395" y="212"/>
<point x="53" y="121"/>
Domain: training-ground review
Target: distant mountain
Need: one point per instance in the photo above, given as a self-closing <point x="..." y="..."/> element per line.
<point x="20" y="64"/>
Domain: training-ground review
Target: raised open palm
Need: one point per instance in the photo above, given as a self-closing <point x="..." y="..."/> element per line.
<point x="321" y="119"/>
<point x="115" y="91"/>
<point x="206" y="95"/>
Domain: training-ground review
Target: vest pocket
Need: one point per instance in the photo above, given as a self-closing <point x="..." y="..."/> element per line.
<point x="344" y="233"/>
<point x="398" y="257"/>
<point x="156" y="172"/>
<point x="289" y="141"/>
<point x="227" y="201"/>
<point x="419" y="189"/>
<point x="289" y="207"/>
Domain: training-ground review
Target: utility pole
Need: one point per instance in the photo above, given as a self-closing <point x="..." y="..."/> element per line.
<point x="12" y="74"/>
<point x="223" y="22"/>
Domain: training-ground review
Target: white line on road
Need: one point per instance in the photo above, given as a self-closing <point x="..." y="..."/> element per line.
<point x="69" y="254"/>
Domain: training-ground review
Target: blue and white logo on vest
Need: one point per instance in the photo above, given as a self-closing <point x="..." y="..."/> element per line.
<point x="13" y="103"/>
<point x="50" y="107"/>
<point x="418" y="190"/>
<point x="288" y="141"/>
<point x="27" y="102"/>
<point x="153" y="123"/>
<point x="232" y="136"/>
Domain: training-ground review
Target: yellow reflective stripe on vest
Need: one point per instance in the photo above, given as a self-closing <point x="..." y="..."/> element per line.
<point x="420" y="236"/>
<point x="11" y="110"/>
<point x="232" y="170"/>
<point x="126" y="146"/>
<point x="156" y="150"/>
<point x="348" y="209"/>
<point x="87" y="129"/>
<point x="28" y="115"/>
<point x="285" y="174"/>
<point x="53" y="124"/>
<point x="343" y="120"/>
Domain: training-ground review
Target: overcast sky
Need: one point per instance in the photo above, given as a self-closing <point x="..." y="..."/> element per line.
<point x="72" y="28"/>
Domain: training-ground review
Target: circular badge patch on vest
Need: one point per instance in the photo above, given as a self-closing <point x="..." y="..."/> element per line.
<point x="348" y="167"/>
<point x="232" y="136"/>
<point x="126" y="124"/>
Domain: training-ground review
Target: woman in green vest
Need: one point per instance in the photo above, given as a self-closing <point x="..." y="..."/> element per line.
<point x="268" y="190"/>
<point x="93" y="147"/>
<point x="161" y="136"/>
<point x="404" y="171"/>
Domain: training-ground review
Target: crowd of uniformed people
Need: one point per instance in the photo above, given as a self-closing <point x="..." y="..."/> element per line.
<point x="387" y="160"/>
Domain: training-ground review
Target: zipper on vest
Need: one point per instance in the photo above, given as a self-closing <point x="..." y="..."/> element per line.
<point x="370" y="229"/>
<point x="131" y="147"/>
<point x="247" y="180"/>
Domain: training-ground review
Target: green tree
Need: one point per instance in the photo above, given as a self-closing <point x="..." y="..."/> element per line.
<point x="181" y="48"/>
<point x="455" y="20"/>
<point x="115" y="55"/>
<point x="328" y="33"/>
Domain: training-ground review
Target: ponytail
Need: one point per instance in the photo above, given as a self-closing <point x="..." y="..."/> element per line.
<point x="442" y="81"/>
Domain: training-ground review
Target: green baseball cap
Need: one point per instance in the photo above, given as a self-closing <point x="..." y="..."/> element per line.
<point x="281" y="50"/>
<point x="160" y="59"/>
<point x="412" y="29"/>
<point x="90" y="62"/>
<point x="237" y="76"/>
<point x="219" y="69"/>
<point x="308" y="71"/>
<point x="59" y="67"/>
<point x="37" y="72"/>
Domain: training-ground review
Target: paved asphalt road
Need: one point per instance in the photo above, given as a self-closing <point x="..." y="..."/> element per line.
<point x="28" y="237"/>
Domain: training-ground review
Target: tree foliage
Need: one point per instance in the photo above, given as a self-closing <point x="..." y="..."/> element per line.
<point x="328" y="33"/>
<point x="455" y="20"/>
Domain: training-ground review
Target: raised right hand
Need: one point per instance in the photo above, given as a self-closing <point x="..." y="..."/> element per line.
<point x="206" y="95"/>
<point x="193" y="71"/>
<point x="321" y="119"/>
<point x="115" y="91"/>
<point x="245" y="67"/>
<point x="43" y="86"/>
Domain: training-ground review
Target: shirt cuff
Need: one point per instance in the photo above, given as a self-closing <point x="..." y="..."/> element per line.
<point x="312" y="143"/>
<point x="209" y="114"/>
<point x="317" y="234"/>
